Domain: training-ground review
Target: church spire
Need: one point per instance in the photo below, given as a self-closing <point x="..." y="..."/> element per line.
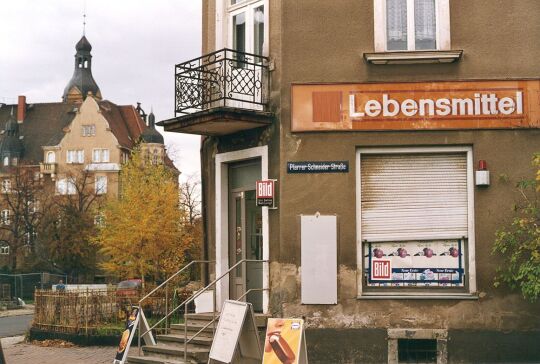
<point x="82" y="82"/>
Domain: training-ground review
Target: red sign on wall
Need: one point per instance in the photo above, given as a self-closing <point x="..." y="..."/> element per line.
<point x="265" y="193"/>
<point x="381" y="269"/>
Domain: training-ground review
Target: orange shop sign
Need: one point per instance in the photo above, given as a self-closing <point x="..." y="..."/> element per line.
<point x="419" y="105"/>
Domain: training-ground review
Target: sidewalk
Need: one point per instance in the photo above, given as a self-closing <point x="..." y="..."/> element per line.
<point x="18" y="352"/>
<point x="27" y="310"/>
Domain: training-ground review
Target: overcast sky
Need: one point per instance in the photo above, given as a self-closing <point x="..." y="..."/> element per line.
<point x="135" y="45"/>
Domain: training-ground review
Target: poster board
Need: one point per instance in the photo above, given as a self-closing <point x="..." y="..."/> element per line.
<point x="236" y="338"/>
<point x="318" y="240"/>
<point x="132" y="323"/>
<point x="285" y="342"/>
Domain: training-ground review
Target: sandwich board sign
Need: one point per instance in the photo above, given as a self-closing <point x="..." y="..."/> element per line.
<point x="285" y="342"/>
<point x="135" y="317"/>
<point x="236" y="339"/>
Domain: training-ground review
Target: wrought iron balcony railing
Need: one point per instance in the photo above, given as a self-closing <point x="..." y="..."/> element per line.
<point x="225" y="78"/>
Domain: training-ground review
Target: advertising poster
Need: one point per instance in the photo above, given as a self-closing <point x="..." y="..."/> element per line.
<point x="415" y="264"/>
<point x="283" y="341"/>
<point x="127" y="336"/>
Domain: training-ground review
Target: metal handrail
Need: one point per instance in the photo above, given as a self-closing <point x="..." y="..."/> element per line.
<point x="166" y="297"/>
<point x="195" y="295"/>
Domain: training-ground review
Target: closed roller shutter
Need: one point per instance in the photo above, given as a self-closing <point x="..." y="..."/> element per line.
<point x="413" y="196"/>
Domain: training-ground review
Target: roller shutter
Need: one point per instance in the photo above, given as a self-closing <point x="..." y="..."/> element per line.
<point x="413" y="196"/>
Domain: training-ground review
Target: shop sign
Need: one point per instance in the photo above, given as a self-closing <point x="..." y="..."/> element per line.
<point x="318" y="167"/>
<point x="437" y="263"/>
<point x="265" y="193"/>
<point x="418" y="105"/>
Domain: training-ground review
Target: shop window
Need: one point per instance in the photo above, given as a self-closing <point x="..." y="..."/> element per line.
<point x="414" y="210"/>
<point x="412" y="25"/>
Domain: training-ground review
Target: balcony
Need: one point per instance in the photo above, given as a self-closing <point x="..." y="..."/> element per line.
<point x="48" y="168"/>
<point x="221" y="93"/>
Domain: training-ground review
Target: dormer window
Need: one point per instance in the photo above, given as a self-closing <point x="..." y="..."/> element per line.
<point x="88" y="130"/>
<point x="51" y="157"/>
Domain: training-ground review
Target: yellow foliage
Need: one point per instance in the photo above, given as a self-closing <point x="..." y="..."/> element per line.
<point x="142" y="234"/>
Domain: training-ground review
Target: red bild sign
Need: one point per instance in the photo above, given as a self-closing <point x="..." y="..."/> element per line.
<point x="265" y="193"/>
<point x="380" y="269"/>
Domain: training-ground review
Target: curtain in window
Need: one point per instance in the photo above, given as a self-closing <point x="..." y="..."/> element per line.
<point x="396" y="24"/>
<point x="424" y="23"/>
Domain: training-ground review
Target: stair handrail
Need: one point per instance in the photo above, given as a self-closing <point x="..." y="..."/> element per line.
<point x="166" y="299"/>
<point x="195" y="295"/>
<point x="217" y="316"/>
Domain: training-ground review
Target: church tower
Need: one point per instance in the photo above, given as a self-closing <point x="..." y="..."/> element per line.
<point x="82" y="82"/>
<point x="153" y="145"/>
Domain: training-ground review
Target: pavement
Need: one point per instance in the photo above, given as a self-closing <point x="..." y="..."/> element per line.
<point x="15" y="325"/>
<point x="27" y="310"/>
<point x="17" y="351"/>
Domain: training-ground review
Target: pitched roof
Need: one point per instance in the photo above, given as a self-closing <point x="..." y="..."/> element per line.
<point x="43" y="125"/>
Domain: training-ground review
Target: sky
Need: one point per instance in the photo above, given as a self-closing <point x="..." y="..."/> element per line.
<point x="135" y="45"/>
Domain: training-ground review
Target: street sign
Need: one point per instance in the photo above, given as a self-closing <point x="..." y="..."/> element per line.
<point x="265" y="193"/>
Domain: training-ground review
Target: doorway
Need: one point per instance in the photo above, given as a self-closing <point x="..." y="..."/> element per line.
<point x="245" y="233"/>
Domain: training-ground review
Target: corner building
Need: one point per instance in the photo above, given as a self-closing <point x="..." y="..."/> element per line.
<point x="380" y="121"/>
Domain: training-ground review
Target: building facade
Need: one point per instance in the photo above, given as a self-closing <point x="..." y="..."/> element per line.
<point x="83" y="137"/>
<point x="381" y="121"/>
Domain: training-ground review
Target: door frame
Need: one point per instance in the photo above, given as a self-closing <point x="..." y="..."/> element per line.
<point x="222" y="220"/>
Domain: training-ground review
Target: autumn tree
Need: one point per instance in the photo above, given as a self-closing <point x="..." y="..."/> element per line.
<point x="519" y="241"/>
<point x="69" y="229"/>
<point x="142" y="232"/>
<point x="190" y="202"/>
<point x="25" y="201"/>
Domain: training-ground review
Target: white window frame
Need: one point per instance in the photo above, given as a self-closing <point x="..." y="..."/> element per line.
<point x="442" y="10"/>
<point x="66" y="186"/>
<point x="224" y="13"/>
<point x="4" y="217"/>
<point x="103" y="155"/>
<point x="6" y="161"/>
<point x="88" y="130"/>
<point x="75" y="156"/>
<point x="470" y="264"/>
<point x="98" y="189"/>
<point x="50" y="157"/>
<point x="6" y="185"/>
<point x="4" y="248"/>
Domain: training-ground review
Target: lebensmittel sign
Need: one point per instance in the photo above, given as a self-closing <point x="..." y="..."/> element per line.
<point x="415" y="106"/>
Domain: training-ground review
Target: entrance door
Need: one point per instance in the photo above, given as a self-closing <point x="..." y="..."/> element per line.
<point x="245" y="233"/>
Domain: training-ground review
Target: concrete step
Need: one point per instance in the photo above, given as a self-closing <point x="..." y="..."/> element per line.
<point x="155" y="360"/>
<point x="197" y="353"/>
<point x="204" y="340"/>
<point x="260" y="318"/>
<point x="192" y="328"/>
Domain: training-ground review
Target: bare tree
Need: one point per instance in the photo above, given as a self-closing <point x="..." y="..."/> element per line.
<point x="190" y="198"/>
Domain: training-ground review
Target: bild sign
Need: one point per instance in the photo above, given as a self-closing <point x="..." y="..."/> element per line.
<point x="418" y="105"/>
<point x="265" y="193"/>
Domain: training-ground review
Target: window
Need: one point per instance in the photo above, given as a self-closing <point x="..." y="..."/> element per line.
<point x="100" y="156"/>
<point x="4" y="248"/>
<point x="6" y="185"/>
<point x="14" y="161"/>
<point x="412" y="25"/>
<point x="6" y="161"/>
<point x="30" y="236"/>
<point x="66" y="186"/>
<point x="101" y="185"/>
<point x="88" y="130"/>
<point x="75" y="156"/>
<point x="414" y="208"/>
<point x="51" y="157"/>
<point x="4" y="217"/>
<point x="155" y="157"/>
<point x="99" y="220"/>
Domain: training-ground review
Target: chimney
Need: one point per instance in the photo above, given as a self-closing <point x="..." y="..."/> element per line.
<point x="21" y="109"/>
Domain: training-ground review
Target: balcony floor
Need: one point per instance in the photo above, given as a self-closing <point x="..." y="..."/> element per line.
<point x="218" y="121"/>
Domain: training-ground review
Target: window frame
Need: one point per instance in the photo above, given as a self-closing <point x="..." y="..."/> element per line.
<point x="442" y="23"/>
<point x="224" y="13"/>
<point x="470" y="288"/>
<point x="6" y="185"/>
<point x="77" y="156"/>
<point x="97" y="190"/>
<point x="88" y="130"/>
<point x="5" y="217"/>
<point x="4" y="248"/>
